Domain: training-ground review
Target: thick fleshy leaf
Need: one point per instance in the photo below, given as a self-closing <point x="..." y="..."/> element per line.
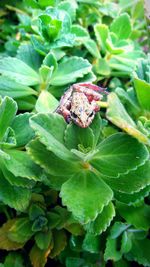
<point x="102" y="221"/>
<point x="142" y="89"/>
<point x="20" y="231"/>
<point x="46" y="102"/>
<point x="133" y="181"/>
<point x="137" y="216"/>
<point x="119" y="153"/>
<point x="121" y="26"/>
<point x="69" y="70"/>
<point x="79" y="138"/>
<point x="92" y="48"/>
<point x="60" y="242"/>
<point x="27" y="54"/>
<point x="20" y="164"/>
<point x="22" y="129"/>
<point x="85" y="186"/>
<point x="5" y="242"/>
<point x="50" y="162"/>
<point x="43" y="239"/>
<point x="11" y="88"/>
<point x="117" y="114"/>
<point x="47" y="127"/>
<point x="140" y="252"/>
<point x="39" y="257"/>
<point x="14" y="196"/>
<point x="91" y="243"/>
<point x="112" y="252"/>
<point x="19" y="71"/>
<point x="14" y="259"/>
<point x="134" y="198"/>
<point x="8" y="109"/>
<point x="102" y="33"/>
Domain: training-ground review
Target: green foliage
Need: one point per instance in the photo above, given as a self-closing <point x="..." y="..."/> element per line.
<point x="72" y="196"/>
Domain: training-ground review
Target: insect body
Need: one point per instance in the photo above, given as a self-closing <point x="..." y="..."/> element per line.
<point x="78" y="104"/>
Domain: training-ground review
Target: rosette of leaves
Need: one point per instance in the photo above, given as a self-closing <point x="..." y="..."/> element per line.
<point x="88" y="170"/>
<point x="18" y="173"/>
<point x="31" y="79"/>
<point x="118" y="53"/>
<point x="43" y="222"/>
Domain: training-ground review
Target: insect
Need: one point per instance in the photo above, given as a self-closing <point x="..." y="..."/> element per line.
<point x="79" y="103"/>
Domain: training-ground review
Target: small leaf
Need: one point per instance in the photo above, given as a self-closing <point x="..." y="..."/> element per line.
<point x="92" y="48"/>
<point x="91" y="243"/>
<point x="102" y="33"/>
<point x="140" y="252"/>
<point x="60" y="242"/>
<point x="19" y="71"/>
<point x="47" y="128"/>
<point x="39" y="257"/>
<point x="35" y="211"/>
<point x="28" y="55"/>
<point x="14" y="196"/>
<point x="5" y="242"/>
<point x="117" y="114"/>
<point x="119" y="153"/>
<point x="117" y="229"/>
<point x="14" y="259"/>
<point x="8" y="109"/>
<point x="69" y="70"/>
<point x="121" y="26"/>
<point x="46" y="102"/>
<point x="75" y="136"/>
<point x="43" y="239"/>
<point x="142" y="89"/>
<point x="22" y="129"/>
<point x="137" y="216"/>
<point x="85" y="185"/>
<point x="102" y="221"/>
<point x="20" y="231"/>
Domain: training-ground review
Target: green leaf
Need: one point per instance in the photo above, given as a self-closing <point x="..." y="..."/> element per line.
<point x="22" y="129"/>
<point x="121" y="26"/>
<point x="140" y="252"/>
<point x="69" y="70"/>
<point x="5" y="242"/>
<point x="50" y="162"/>
<point x="142" y="89"/>
<point x="14" y="196"/>
<point x="75" y="136"/>
<point x="28" y="55"/>
<point x="137" y="216"/>
<point x="39" y="257"/>
<point x="46" y="102"/>
<point x="92" y="48"/>
<point x="102" y="221"/>
<point x="117" y="229"/>
<point x="43" y="239"/>
<point x="20" y="164"/>
<point x="8" y="109"/>
<point x="91" y="243"/>
<point x="19" y="71"/>
<point x="134" y="198"/>
<point x="102" y="33"/>
<point x="35" y="211"/>
<point x="47" y="127"/>
<point x="133" y="181"/>
<point x="50" y="60"/>
<point x="117" y="114"/>
<point x="9" y="87"/>
<point x="102" y="67"/>
<point x="14" y="259"/>
<point x="118" y="154"/>
<point x="60" y="242"/>
<point x="20" y="231"/>
<point x="85" y="186"/>
<point x="81" y="34"/>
